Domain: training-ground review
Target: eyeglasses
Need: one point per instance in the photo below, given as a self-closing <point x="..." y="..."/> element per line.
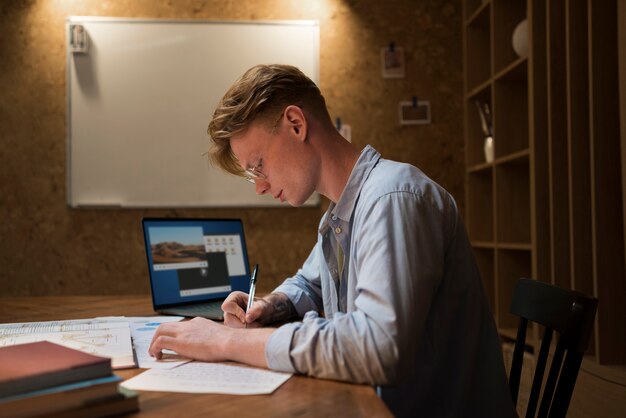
<point x="253" y="174"/>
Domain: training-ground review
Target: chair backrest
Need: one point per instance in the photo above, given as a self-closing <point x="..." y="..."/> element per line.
<point x="571" y="314"/>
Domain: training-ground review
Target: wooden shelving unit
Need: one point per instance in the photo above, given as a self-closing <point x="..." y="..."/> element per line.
<point x="549" y="206"/>
<point x="498" y="191"/>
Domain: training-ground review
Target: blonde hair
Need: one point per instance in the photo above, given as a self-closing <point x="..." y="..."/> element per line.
<point x="260" y="94"/>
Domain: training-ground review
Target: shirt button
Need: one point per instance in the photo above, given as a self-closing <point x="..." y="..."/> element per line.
<point x="338" y="230"/>
<point x="334" y="217"/>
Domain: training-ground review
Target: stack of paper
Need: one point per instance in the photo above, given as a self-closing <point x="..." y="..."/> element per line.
<point x="106" y="337"/>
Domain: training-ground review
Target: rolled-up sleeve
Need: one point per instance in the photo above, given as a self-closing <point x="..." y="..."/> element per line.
<point x="277" y="349"/>
<point x="304" y="289"/>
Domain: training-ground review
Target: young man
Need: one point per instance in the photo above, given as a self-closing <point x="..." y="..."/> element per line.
<point x="390" y="294"/>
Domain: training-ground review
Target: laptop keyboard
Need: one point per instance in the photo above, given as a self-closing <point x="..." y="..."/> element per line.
<point x="204" y="307"/>
<point x="211" y="310"/>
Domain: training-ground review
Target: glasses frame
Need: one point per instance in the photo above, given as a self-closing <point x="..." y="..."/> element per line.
<point x="253" y="174"/>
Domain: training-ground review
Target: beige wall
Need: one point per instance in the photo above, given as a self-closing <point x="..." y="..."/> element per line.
<point x="48" y="248"/>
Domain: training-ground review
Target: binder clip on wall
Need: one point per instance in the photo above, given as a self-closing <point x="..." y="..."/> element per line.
<point x="414" y="112"/>
<point x="79" y="41"/>
<point x="344" y="129"/>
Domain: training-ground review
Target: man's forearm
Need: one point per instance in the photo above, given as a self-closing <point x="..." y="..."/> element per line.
<point x="282" y="310"/>
<point x="246" y="346"/>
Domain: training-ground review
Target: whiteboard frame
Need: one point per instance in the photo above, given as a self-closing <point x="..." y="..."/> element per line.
<point x="314" y="200"/>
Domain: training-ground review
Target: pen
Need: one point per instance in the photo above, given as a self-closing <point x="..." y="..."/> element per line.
<point x="252" y="289"/>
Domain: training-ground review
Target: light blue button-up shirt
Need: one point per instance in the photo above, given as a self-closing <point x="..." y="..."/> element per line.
<point x="401" y="305"/>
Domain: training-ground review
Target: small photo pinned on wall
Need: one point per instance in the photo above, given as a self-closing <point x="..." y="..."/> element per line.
<point x="392" y="61"/>
<point x="414" y="113"/>
<point x="79" y="40"/>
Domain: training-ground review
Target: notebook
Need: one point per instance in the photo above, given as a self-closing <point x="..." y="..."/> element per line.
<point x="194" y="264"/>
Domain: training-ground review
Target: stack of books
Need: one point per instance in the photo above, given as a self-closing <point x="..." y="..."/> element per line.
<point x="47" y="379"/>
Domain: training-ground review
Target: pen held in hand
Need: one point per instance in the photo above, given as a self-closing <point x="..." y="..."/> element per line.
<point x="252" y="289"/>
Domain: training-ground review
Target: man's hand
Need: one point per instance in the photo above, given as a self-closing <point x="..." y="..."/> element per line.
<point x="275" y="307"/>
<point x="199" y="339"/>
<point x="235" y="315"/>
<point x="205" y="340"/>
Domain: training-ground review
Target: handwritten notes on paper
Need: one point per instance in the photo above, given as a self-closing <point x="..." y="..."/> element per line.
<point x="197" y="377"/>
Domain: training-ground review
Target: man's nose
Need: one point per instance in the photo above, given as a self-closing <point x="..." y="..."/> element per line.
<point x="261" y="186"/>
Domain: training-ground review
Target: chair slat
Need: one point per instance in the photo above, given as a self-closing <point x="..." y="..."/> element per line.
<point x="571" y="315"/>
<point x="555" y="370"/>
<point x="565" y="388"/>
<point x="540" y="367"/>
<point x="518" y="357"/>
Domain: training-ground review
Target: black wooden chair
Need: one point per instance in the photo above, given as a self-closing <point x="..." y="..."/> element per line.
<point x="571" y="314"/>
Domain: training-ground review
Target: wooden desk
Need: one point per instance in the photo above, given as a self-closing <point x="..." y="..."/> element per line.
<point x="299" y="396"/>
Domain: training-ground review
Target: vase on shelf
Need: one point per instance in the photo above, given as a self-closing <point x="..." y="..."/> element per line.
<point x="520" y="39"/>
<point x="487" y="125"/>
<point x="488" y="148"/>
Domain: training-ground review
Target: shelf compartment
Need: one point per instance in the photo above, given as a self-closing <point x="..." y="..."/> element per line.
<point x="511" y="265"/>
<point x="485" y="259"/>
<point x="480" y="206"/>
<point x="513" y="200"/>
<point x="510" y="111"/>
<point x="507" y="15"/>
<point x="478" y="49"/>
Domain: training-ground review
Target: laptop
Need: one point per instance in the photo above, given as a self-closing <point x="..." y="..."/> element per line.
<point x="194" y="264"/>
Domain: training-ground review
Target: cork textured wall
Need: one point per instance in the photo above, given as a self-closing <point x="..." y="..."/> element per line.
<point x="46" y="248"/>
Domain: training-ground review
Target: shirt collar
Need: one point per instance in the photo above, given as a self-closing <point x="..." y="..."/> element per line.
<point x="347" y="201"/>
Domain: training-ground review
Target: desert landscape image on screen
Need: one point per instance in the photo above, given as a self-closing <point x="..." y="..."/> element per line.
<point x="177" y="245"/>
<point x="175" y="252"/>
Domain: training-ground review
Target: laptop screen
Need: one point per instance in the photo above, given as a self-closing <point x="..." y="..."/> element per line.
<point x="191" y="260"/>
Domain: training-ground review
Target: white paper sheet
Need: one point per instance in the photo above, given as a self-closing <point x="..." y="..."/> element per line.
<point x="142" y="329"/>
<point x="198" y="377"/>
<point x="105" y="322"/>
<point x="106" y="337"/>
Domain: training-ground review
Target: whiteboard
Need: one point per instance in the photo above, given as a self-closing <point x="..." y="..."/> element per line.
<point x="141" y="98"/>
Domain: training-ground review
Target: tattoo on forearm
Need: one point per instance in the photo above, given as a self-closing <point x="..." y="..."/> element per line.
<point x="282" y="309"/>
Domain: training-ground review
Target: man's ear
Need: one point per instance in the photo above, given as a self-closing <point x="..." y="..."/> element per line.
<point x="297" y="122"/>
